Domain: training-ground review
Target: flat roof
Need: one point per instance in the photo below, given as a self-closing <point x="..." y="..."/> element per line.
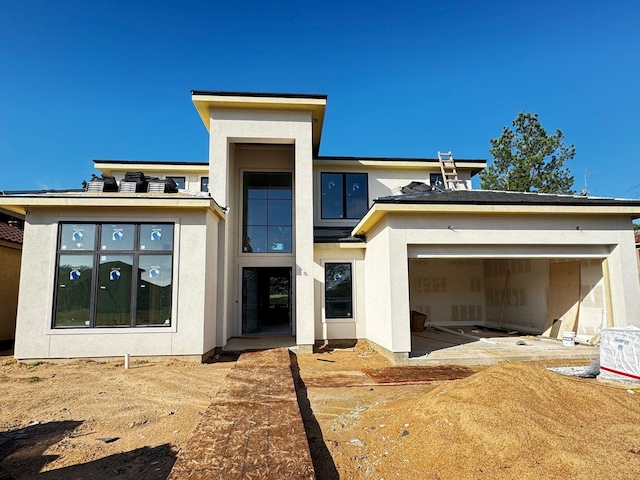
<point x="226" y="93"/>
<point x="150" y="162"/>
<point x="21" y="203"/>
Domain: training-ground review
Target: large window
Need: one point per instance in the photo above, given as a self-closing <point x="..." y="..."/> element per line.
<point x="267" y="212"/>
<point x="338" y="291"/>
<point x="114" y="275"/>
<point x="344" y="195"/>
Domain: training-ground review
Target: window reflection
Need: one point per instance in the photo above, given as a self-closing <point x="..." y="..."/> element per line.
<point x="268" y="212"/>
<point x="344" y="195"/>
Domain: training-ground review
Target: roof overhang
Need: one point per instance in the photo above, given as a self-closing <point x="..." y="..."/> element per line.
<point x="379" y="210"/>
<point x="475" y="166"/>
<point x="21" y="204"/>
<point x="110" y="167"/>
<point x="205" y="101"/>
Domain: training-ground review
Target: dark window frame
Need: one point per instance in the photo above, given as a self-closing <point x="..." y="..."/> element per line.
<point x="202" y="179"/>
<point x="96" y="252"/>
<point x="349" y="314"/>
<point x="436" y="180"/>
<point x="344" y="195"/>
<point x="184" y="180"/>
<point x="246" y="247"/>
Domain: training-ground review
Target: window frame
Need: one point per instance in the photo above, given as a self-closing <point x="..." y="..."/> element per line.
<point x="352" y="316"/>
<point x="96" y="252"/>
<point x="184" y="180"/>
<point x="344" y="195"/>
<point x="202" y="179"/>
<point x="242" y="221"/>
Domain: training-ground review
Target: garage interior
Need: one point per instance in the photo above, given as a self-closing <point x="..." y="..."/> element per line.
<point x="522" y="294"/>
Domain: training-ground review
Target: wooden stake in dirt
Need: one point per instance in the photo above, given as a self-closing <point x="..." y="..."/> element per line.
<point x="504" y="297"/>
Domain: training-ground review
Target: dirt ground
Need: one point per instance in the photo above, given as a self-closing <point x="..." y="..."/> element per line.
<point x="364" y="419"/>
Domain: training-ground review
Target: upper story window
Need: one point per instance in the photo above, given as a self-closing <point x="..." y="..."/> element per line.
<point x="344" y="195"/>
<point x="267" y="215"/>
<point x="436" y="180"/>
<point x="204" y="184"/>
<point x="180" y="182"/>
<point x="113" y="275"/>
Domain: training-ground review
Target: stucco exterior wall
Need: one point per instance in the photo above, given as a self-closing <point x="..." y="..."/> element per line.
<point x="387" y="289"/>
<point x="10" y="257"/>
<point x="229" y="127"/>
<point x="35" y="338"/>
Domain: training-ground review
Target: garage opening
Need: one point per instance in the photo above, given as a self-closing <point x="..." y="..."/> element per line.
<point x="524" y="294"/>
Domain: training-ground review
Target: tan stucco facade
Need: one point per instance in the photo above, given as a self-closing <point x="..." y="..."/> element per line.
<point x="10" y="256"/>
<point x="195" y="276"/>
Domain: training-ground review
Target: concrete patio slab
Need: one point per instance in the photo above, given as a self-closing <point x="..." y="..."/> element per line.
<point x="433" y="347"/>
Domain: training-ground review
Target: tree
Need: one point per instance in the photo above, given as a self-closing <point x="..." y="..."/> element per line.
<point x="528" y="160"/>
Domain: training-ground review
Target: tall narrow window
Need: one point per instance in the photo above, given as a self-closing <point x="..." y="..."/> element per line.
<point x="114" y="275"/>
<point x="338" y="292"/>
<point x="344" y="195"/>
<point x="267" y="213"/>
<point x="204" y="184"/>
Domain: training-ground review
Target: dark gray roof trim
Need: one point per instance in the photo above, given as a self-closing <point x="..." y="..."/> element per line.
<point x="335" y="235"/>
<point x="490" y="197"/>
<point x="34" y="193"/>
<point x="220" y="93"/>
<point x="392" y="159"/>
<point x="152" y="162"/>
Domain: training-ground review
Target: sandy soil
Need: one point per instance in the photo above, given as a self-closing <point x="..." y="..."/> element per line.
<point x="53" y="415"/>
<point x="510" y="421"/>
<point x="364" y="419"/>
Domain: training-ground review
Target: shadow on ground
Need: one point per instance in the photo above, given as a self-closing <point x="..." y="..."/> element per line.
<point x="323" y="464"/>
<point x="22" y="457"/>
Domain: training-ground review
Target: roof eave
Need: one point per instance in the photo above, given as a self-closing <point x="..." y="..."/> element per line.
<point x="379" y="210"/>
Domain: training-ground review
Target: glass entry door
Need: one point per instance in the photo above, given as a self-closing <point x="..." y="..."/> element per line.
<point x="266" y="301"/>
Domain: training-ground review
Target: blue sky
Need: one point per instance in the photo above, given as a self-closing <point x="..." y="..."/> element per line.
<point x="112" y="79"/>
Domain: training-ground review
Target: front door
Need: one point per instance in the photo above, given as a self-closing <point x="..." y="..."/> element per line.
<point x="266" y="301"/>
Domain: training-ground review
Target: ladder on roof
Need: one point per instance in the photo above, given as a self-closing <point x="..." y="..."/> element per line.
<point x="449" y="172"/>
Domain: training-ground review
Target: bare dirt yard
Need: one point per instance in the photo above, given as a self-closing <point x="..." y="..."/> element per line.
<point x="364" y="419"/>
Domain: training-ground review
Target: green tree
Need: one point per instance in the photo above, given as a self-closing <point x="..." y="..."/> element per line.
<point x="528" y="160"/>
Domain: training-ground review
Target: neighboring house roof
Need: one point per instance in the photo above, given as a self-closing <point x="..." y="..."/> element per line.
<point x="637" y="235"/>
<point x="11" y="233"/>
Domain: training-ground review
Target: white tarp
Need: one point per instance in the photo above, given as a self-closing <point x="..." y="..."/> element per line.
<point x="620" y="354"/>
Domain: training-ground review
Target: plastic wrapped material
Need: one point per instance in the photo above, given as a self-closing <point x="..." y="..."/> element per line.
<point x="620" y="354"/>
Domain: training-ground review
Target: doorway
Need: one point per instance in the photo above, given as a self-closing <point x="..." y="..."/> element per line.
<point x="266" y="301"/>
